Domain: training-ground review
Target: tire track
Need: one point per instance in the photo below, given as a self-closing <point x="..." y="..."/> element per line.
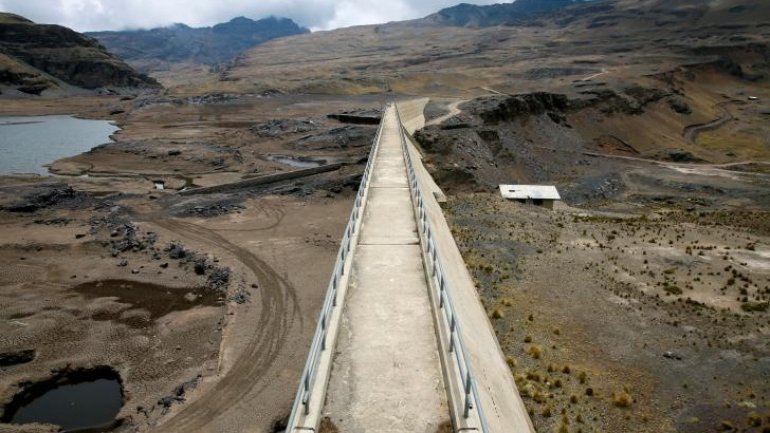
<point x="277" y="213"/>
<point x="279" y="310"/>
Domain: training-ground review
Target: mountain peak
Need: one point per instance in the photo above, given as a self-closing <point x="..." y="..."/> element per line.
<point x="204" y="45"/>
<point x="468" y="15"/>
<point x="38" y="57"/>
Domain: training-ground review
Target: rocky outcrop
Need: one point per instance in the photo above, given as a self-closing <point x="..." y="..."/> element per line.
<point x="35" y="56"/>
<point x="505" y="108"/>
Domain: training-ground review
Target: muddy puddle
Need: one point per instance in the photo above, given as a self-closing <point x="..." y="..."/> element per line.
<point x="76" y="401"/>
<point x="147" y="301"/>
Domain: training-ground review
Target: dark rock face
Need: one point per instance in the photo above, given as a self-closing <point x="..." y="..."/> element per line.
<point x="50" y="196"/>
<point x="62" y="53"/>
<point x="9" y="359"/>
<point x="358" y="117"/>
<point x="467" y="15"/>
<point x="505" y="108"/>
<point x="206" y="45"/>
<point x="679" y="155"/>
<point x="338" y="138"/>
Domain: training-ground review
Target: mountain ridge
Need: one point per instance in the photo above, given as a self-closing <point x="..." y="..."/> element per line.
<point x="38" y="57"/>
<point x="146" y="49"/>
<point x="469" y="15"/>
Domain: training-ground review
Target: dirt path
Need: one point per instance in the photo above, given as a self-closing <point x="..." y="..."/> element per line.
<point x="454" y="110"/>
<point x="596" y="75"/>
<point x="247" y="377"/>
<point x="691" y="132"/>
<point x="705" y="169"/>
<point x="494" y="91"/>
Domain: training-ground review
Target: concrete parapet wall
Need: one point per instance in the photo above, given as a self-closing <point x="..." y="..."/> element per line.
<point x="499" y="397"/>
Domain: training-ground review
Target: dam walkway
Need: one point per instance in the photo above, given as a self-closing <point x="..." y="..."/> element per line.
<point x="391" y="350"/>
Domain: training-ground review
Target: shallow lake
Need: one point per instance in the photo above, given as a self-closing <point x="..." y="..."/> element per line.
<point x="29" y="142"/>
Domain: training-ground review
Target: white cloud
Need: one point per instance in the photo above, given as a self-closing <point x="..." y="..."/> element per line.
<point x="358" y="12"/>
<point x="85" y="15"/>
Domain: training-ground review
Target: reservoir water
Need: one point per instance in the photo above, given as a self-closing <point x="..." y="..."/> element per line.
<point x="86" y="400"/>
<point x="29" y="142"/>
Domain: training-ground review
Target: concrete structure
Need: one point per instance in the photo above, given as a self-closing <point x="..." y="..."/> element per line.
<point x="387" y="376"/>
<point x="539" y="195"/>
<point x="403" y="343"/>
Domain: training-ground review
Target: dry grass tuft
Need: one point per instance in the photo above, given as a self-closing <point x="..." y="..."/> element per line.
<point x="622" y="399"/>
<point x="535" y="351"/>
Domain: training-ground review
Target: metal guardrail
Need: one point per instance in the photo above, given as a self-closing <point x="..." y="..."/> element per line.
<point x="448" y="311"/>
<point x="309" y="374"/>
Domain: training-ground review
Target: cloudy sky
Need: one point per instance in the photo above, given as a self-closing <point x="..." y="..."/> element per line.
<point x="85" y="15"/>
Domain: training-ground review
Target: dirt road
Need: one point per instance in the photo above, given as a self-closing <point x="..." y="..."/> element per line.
<point x="454" y="110"/>
<point x="247" y="378"/>
<point x="691" y="132"/>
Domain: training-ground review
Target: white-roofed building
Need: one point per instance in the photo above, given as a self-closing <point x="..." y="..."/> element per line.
<point x="539" y="195"/>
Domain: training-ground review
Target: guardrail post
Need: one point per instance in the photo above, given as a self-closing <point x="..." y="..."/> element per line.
<point x="323" y="338"/>
<point x="468" y="403"/>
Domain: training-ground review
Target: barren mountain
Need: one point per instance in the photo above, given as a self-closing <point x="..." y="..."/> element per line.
<point x="630" y="38"/>
<point x="153" y="49"/>
<point x="37" y="57"/>
<point x="468" y="15"/>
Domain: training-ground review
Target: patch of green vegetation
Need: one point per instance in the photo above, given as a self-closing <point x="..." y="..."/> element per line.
<point x="742" y="144"/>
<point x="755" y="306"/>
<point x="672" y="289"/>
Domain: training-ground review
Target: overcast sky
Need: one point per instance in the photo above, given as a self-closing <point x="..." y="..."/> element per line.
<point x="85" y="15"/>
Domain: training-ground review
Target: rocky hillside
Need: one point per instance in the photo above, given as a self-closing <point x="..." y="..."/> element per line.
<point x="147" y="49"/>
<point x="567" y="49"/>
<point x="468" y="15"/>
<point x="38" y="57"/>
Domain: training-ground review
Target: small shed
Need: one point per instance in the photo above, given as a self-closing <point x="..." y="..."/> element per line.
<point x="539" y="195"/>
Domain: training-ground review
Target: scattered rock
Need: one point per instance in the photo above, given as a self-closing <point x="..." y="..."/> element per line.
<point x="219" y="278"/>
<point x="278" y="127"/>
<point x="179" y="394"/>
<point x="53" y="221"/>
<point x="200" y="266"/>
<point x="213" y="210"/>
<point x="240" y="297"/>
<point x="176" y="251"/>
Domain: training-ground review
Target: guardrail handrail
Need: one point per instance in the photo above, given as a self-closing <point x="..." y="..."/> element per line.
<point x="448" y="311"/>
<point x="318" y="346"/>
